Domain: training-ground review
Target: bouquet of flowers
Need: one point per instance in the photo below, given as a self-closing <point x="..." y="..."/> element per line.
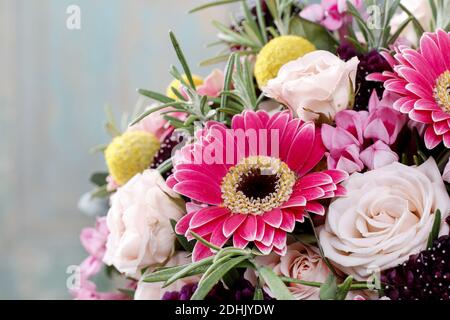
<point x="315" y="165"/>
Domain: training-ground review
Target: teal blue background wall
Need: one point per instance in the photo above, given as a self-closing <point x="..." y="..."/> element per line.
<point x="54" y="84"/>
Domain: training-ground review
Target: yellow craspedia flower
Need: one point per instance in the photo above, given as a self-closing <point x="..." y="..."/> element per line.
<point x="130" y="154"/>
<point x="176" y="84"/>
<point x="276" y="53"/>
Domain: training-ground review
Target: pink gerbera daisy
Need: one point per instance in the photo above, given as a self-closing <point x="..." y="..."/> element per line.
<point x="253" y="181"/>
<point x="422" y="79"/>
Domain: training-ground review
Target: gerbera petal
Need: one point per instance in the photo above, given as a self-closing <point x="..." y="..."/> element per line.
<point x="269" y="233"/>
<point x="265" y="250"/>
<point x="201" y="191"/>
<point x="304" y="141"/>
<point x="312" y="193"/>
<point x="247" y="230"/>
<point x="239" y="242"/>
<point x="447" y="140"/>
<point x="314" y="179"/>
<point x="337" y="175"/>
<point x="432" y="54"/>
<point x="441" y="127"/>
<point x="201" y="251"/>
<point x="279" y="239"/>
<point x="273" y="218"/>
<point x="260" y="228"/>
<point x="431" y="138"/>
<point x="316" y="154"/>
<point x="207" y="215"/>
<point x="232" y="224"/>
<point x="217" y="237"/>
<point x="420" y="116"/>
<point x="192" y="176"/>
<point x="440" y="116"/>
<point x="444" y="45"/>
<point x="295" y="200"/>
<point x="182" y="225"/>
<point x="423" y="104"/>
<point x="288" y="223"/>
<point x="315" y="207"/>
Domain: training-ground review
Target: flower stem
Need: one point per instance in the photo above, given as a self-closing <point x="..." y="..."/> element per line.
<point x="355" y="286"/>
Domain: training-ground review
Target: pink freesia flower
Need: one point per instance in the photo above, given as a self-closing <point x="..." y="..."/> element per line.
<point x="446" y="175"/>
<point x="422" y="79"/>
<point x="362" y="139"/>
<point x="332" y="14"/>
<point x="94" y="239"/>
<point x="256" y="179"/>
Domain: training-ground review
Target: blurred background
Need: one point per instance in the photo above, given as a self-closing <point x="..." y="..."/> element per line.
<point x="54" y="85"/>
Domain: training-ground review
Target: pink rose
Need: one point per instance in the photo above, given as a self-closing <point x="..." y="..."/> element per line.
<point x="154" y="290"/>
<point x="317" y="83"/>
<point x="139" y="223"/>
<point x="386" y="216"/>
<point x="301" y="262"/>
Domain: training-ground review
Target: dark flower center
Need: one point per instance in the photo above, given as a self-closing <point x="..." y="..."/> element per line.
<point x="257" y="185"/>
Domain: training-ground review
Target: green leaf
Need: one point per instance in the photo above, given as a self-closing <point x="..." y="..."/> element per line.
<point x="212" y="4"/>
<point x="186" y="271"/>
<point x="182" y="59"/>
<point x="203" y="241"/>
<point x="313" y="32"/>
<point x="276" y="286"/>
<point x="435" y="229"/>
<point x="99" y="178"/>
<point x="163" y="274"/>
<point x="127" y="292"/>
<point x="100" y="192"/>
<point x="208" y="281"/>
<point x="344" y="288"/>
<point x="328" y="290"/>
<point x="258" y="295"/>
<point x="187" y="245"/>
<point x="155" y="96"/>
<point x="158" y="108"/>
<point x="399" y="30"/>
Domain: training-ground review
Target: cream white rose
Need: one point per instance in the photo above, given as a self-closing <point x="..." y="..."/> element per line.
<point x="386" y="217"/>
<point x="422" y="12"/>
<point x="139" y="223"/>
<point x="317" y="83"/>
<point x="154" y="290"/>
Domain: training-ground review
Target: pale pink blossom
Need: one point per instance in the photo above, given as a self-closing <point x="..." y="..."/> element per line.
<point x="332" y="14"/>
<point x="213" y="84"/>
<point x="94" y="239"/>
<point x="446" y="175"/>
<point x="378" y="155"/>
<point x="363" y="139"/>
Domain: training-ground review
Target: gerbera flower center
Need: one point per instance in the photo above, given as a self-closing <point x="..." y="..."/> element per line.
<point x="442" y="91"/>
<point x="256" y="185"/>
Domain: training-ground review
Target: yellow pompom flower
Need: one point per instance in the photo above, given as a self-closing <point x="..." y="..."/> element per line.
<point x="277" y="53"/>
<point x="177" y="84"/>
<point x="130" y="154"/>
